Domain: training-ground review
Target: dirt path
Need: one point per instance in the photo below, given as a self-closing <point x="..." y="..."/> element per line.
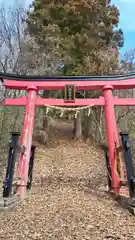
<point x="68" y="200"/>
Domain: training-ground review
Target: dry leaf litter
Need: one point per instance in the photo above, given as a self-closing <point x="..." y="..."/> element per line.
<point x="68" y="199"/>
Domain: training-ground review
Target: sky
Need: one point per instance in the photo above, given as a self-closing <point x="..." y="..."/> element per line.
<point x="127" y="21"/>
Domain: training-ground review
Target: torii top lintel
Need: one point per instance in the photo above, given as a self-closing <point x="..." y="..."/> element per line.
<point x="23" y="82"/>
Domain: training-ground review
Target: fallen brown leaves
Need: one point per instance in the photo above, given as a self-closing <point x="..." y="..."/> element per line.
<point x="68" y="200"/>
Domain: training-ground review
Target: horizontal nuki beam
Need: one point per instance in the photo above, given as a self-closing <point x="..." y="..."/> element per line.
<point x="22" y="101"/>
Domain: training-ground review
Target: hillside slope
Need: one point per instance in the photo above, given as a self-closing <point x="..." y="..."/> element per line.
<point x="68" y="200"/>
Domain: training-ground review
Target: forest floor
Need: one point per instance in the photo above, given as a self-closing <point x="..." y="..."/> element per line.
<point x="68" y="198"/>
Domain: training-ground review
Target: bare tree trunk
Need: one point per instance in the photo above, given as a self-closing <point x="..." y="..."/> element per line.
<point x="78" y="127"/>
<point x="93" y="125"/>
<point x="87" y="126"/>
<point x="45" y="127"/>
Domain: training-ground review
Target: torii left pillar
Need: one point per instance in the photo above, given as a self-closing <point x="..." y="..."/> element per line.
<point x="26" y="141"/>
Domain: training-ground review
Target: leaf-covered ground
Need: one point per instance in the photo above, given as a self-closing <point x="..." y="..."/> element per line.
<point x="68" y="200"/>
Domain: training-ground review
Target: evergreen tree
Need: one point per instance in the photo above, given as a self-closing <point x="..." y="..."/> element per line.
<point x="84" y="29"/>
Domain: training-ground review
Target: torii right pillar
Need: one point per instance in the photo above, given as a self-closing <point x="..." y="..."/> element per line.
<point x="112" y="135"/>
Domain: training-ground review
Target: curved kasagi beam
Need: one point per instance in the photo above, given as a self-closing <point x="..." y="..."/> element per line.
<point x="14" y="77"/>
<point x="60" y="85"/>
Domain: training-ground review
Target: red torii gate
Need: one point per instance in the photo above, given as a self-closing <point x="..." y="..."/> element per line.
<point x="32" y="84"/>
